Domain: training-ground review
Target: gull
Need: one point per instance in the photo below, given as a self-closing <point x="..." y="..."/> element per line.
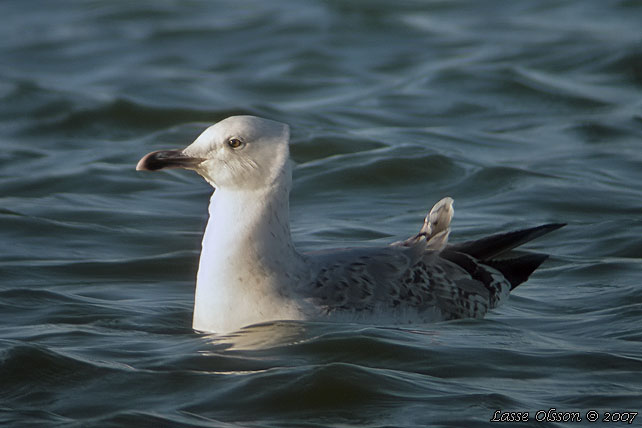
<point x="251" y="272"/>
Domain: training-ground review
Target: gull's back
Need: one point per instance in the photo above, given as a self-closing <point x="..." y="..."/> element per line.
<point x="409" y="282"/>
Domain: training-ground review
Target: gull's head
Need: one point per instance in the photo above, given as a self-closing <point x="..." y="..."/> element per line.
<point x="240" y="152"/>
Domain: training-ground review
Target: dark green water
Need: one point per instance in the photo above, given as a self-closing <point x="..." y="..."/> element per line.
<point x="524" y="112"/>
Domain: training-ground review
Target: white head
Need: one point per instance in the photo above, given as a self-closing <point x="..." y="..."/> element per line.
<point x="240" y="152"/>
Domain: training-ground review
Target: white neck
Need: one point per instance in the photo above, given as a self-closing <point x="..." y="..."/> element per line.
<point x="248" y="265"/>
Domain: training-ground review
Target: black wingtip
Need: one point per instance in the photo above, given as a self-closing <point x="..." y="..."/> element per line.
<point x="551" y="227"/>
<point x="495" y="245"/>
<point x="517" y="270"/>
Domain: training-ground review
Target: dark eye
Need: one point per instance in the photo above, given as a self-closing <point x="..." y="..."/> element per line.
<point x="234" y="143"/>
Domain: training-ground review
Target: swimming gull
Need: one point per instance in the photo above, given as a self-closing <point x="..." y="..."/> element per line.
<point x="251" y="272"/>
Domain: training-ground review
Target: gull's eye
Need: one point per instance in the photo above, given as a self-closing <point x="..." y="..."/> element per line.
<point x="235" y="143"/>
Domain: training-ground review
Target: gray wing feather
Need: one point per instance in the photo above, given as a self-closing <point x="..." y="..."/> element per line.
<point x="358" y="279"/>
<point x="423" y="273"/>
<point x="396" y="277"/>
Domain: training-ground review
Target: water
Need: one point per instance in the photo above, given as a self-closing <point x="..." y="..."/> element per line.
<point x="523" y="112"/>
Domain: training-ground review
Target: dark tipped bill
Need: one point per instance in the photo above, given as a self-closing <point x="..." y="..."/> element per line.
<point x="164" y="159"/>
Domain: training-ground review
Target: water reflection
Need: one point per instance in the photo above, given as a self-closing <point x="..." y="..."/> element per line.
<point x="264" y="336"/>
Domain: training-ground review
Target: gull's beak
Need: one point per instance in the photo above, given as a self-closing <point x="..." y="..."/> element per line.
<point x="163" y="159"/>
